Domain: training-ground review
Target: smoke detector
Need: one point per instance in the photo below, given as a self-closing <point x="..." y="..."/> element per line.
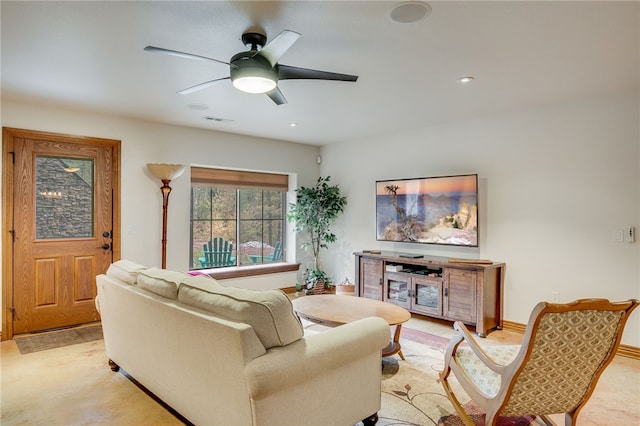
<point x="409" y="11"/>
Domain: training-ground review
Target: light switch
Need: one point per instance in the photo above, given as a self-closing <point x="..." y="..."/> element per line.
<point x="618" y="236"/>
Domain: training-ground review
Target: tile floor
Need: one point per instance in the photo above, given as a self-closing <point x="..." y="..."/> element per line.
<point x="74" y="386"/>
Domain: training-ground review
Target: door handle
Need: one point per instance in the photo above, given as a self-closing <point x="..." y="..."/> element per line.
<point x="105" y="246"/>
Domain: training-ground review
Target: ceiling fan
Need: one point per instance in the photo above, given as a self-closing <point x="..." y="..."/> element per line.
<point x="257" y="70"/>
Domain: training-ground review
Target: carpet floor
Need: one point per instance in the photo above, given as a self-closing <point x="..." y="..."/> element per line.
<point x="412" y="396"/>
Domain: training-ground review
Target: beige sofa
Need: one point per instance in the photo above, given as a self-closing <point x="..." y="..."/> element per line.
<point x="228" y="356"/>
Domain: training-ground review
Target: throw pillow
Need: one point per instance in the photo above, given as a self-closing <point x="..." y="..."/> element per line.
<point x="207" y="283"/>
<point x="125" y="270"/>
<point x="198" y="274"/>
<point x="161" y="282"/>
<point x="268" y="312"/>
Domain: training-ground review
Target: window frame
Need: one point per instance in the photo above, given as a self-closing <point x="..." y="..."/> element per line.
<point x="243" y="179"/>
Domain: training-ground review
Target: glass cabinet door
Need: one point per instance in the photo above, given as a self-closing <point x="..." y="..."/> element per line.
<point x="428" y="295"/>
<point x="397" y="289"/>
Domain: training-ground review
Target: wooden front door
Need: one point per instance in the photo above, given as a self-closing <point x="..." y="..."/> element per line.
<point x="63" y="226"/>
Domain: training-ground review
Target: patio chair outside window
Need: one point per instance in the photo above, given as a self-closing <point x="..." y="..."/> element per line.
<point x="217" y="253"/>
<point x="276" y="256"/>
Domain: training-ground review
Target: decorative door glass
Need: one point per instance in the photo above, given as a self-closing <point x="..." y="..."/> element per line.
<point x="64" y="197"/>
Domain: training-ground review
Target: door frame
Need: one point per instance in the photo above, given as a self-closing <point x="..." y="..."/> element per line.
<point x="8" y="135"/>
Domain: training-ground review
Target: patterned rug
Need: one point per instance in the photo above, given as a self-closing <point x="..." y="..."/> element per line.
<point x="412" y="396"/>
<point x="58" y="339"/>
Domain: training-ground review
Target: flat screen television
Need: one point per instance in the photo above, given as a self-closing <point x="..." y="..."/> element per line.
<point x="429" y="210"/>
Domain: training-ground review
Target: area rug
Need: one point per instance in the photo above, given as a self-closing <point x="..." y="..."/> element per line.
<point x="58" y="339"/>
<point x="412" y="396"/>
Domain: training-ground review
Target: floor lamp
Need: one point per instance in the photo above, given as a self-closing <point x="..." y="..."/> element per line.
<point x="166" y="173"/>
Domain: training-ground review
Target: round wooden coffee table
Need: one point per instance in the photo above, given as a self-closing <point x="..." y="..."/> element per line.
<point x="333" y="310"/>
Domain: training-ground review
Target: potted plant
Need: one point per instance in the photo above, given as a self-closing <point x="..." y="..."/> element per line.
<point x="313" y="214"/>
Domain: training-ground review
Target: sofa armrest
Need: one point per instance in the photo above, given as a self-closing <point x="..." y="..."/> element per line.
<point x="286" y="366"/>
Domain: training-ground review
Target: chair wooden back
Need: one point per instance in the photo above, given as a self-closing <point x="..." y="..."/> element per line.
<point x="277" y="252"/>
<point x="217" y="252"/>
<point x="565" y="349"/>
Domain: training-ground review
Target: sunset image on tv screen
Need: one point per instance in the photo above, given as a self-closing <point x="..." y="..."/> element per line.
<point x="436" y="210"/>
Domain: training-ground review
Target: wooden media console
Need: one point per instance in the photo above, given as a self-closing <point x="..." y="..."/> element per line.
<point x="464" y="290"/>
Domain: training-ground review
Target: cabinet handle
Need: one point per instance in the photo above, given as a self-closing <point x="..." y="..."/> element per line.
<point x="380" y="281"/>
<point x="446" y="292"/>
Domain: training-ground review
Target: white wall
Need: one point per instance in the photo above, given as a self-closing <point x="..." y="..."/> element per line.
<point x="146" y="142"/>
<point x="555" y="183"/>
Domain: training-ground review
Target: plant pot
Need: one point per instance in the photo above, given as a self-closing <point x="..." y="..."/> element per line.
<point x="346" y="289"/>
<point x="318" y="288"/>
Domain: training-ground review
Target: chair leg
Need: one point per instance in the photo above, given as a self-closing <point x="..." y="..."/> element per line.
<point x="454" y="401"/>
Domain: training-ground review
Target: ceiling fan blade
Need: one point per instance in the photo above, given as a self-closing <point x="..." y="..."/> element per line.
<point x="201" y="86"/>
<point x="278" y="46"/>
<point x="277" y="96"/>
<point x="286" y="72"/>
<point x="154" y="49"/>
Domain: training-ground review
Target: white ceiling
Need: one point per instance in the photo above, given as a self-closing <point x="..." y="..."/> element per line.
<point x="89" y="56"/>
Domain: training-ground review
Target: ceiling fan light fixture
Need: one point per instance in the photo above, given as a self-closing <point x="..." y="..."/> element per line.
<point x="258" y="70"/>
<point x="254" y="84"/>
<point x="254" y="80"/>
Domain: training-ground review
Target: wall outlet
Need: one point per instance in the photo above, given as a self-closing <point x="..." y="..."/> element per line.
<point x="630" y="234"/>
<point x="555" y="296"/>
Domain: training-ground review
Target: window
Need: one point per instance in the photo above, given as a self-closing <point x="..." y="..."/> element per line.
<point x="237" y="218"/>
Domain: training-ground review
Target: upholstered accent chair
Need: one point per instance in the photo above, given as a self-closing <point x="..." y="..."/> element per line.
<point x="565" y="349"/>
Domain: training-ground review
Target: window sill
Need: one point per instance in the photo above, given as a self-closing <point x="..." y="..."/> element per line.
<point x="249" y="271"/>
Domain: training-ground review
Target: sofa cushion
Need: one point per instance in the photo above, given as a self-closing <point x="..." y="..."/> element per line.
<point x="125" y="270"/>
<point x="198" y="274"/>
<point x="161" y="282"/>
<point x="268" y="312"/>
<point x="206" y="283"/>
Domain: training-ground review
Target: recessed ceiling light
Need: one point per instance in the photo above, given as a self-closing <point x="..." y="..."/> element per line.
<point x="463" y="80"/>
<point x="409" y="11"/>
<point x="198" y="107"/>
<point x="293" y="124"/>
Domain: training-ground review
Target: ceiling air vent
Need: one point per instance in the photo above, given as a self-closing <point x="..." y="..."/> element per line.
<point x="221" y="120"/>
